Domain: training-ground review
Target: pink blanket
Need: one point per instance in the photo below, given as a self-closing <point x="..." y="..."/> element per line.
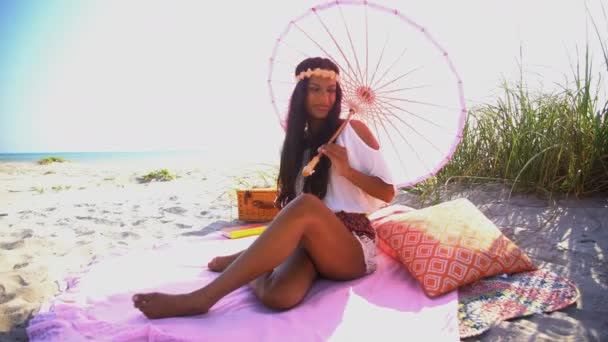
<point x="98" y="304"/>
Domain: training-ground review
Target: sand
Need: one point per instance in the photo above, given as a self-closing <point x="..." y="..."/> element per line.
<point x="56" y="219"/>
<point x="567" y="236"/>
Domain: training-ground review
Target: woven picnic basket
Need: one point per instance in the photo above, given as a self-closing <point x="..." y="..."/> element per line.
<point x="257" y="205"/>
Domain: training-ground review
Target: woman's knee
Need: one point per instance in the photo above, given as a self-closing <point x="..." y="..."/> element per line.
<point x="308" y="203"/>
<point x="308" y="199"/>
<point x="279" y="300"/>
<point x="276" y="297"/>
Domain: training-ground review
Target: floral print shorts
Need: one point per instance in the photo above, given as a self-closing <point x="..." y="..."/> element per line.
<point x="363" y="231"/>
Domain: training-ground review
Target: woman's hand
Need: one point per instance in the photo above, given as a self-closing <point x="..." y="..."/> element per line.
<point x="338" y="156"/>
<point x="374" y="186"/>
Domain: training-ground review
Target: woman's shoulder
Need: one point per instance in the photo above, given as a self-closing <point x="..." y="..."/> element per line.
<point x="365" y="133"/>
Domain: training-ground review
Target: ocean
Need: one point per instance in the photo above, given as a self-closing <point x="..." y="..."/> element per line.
<point x="99" y="156"/>
<point x="128" y="157"/>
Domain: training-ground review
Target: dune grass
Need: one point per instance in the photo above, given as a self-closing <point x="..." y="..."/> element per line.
<point x="61" y="187"/>
<point x="37" y="189"/>
<point x="161" y="175"/>
<point x="544" y="143"/>
<point x="49" y="160"/>
<point x="264" y="176"/>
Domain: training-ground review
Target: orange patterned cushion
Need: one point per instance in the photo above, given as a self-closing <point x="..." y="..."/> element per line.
<point x="449" y="245"/>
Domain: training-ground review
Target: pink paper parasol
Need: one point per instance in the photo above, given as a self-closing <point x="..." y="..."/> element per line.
<point x="395" y="77"/>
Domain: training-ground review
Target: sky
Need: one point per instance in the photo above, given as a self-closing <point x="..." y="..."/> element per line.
<point x="140" y="75"/>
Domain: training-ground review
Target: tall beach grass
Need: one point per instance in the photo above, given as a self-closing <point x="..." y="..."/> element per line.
<point x="546" y="143"/>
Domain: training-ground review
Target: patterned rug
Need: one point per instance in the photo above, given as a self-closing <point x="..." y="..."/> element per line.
<point x="492" y="300"/>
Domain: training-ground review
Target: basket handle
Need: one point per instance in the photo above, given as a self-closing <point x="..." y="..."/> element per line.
<point x="257" y="203"/>
<point x="263" y="205"/>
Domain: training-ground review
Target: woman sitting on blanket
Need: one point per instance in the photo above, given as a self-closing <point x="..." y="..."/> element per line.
<point x="322" y="229"/>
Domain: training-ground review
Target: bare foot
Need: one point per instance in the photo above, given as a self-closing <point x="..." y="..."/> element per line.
<point x="160" y="305"/>
<point x="219" y="264"/>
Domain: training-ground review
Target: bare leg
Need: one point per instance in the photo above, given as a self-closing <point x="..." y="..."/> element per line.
<point x="334" y="251"/>
<point x="286" y="286"/>
<point x="219" y="264"/>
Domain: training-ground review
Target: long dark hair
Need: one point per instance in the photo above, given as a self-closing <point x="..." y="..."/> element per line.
<point x="298" y="138"/>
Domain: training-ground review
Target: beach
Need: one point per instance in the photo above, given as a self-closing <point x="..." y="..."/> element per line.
<point x="565" y="235"/>
<point x="56" y="219"/>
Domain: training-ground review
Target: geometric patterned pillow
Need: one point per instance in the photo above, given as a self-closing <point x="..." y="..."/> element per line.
<point x="449" y="245"/>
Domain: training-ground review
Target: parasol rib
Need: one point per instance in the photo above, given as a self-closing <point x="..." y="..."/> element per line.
<point x="416" y="115"/>
<point x="394" y="99"/>
<point x="393" y="115"/>
<point x="401" y="89"/>
<point x="393" y="145"/>
<point x="336" y="43"/>
<point x="390" y="67"/>
<point x="324" y="51"/>
<point x="366" y="45"/>
<point x="398" y="78"/>
<point x="351" y="41"/>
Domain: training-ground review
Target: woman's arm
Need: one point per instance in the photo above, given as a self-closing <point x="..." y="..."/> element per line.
<point x="372" y="185"/>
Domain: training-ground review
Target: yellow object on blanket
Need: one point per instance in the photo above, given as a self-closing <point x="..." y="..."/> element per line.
<point x="243" y="231"/>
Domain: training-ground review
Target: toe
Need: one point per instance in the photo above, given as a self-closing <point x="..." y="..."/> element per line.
<point x="152" y="296"/>
<point x="141" y="299"/>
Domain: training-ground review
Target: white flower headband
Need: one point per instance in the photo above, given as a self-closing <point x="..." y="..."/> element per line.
<point x="332" y="75"/>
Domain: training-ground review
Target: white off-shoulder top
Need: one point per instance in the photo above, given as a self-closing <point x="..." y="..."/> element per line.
<point x="342" y="195"/>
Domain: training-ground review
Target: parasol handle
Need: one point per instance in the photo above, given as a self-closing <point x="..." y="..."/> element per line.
<point x="309" y="169"/>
